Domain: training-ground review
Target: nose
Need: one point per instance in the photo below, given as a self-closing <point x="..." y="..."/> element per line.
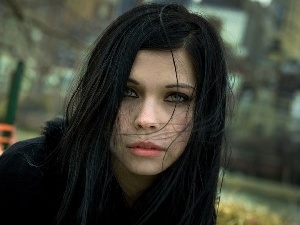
<point x="147" y="117"/>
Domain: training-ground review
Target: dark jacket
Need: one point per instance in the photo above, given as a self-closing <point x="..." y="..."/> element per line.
<point x="29" y="190"/>
<point x="31" y="187"/>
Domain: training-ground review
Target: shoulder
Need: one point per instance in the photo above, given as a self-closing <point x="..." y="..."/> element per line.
<point x="24" y="191"/>
<point x="30" y="186"/>
<point x="22" y="158"/>
<point x="32" y="153"/>
<point x="26" y="146"/>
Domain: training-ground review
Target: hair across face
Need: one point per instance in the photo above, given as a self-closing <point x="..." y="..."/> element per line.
<point x="155" y="117"/>
<point x="98" y="104"/>
<point x="152" y="27"/>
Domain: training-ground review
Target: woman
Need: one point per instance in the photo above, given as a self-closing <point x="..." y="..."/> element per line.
<point x="141" y="139"/>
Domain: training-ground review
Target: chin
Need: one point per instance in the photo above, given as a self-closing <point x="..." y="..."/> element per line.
<point x="146" y="170"/>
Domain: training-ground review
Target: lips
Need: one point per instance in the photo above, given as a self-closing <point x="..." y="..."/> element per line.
<point x="145" y="149"/>
<point x="146" y="145"/>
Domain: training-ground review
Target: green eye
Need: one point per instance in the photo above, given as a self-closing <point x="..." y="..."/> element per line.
<point x="128" y="92"/>
<point x="178" y="98"/>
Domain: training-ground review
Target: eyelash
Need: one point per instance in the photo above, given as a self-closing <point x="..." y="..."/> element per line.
<point x="126" y="95"/>
<point x="183" y="97"/>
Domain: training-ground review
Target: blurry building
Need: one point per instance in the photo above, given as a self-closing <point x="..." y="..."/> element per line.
<point x="225" y="3"/>
<point x="259" y="33"/>
<point x="51" y="37"/>
<point x="125" y="5"/>
<point x="183" y="2"/>
<point x="268" y="107"/>
<point x="289" y="29"/>
<point x="288" y="60"/>
<point x="231" y="24"/>
<point x="266" y="121"/>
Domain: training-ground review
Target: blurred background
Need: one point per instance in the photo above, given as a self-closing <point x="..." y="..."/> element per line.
<point x="42" y="44"/>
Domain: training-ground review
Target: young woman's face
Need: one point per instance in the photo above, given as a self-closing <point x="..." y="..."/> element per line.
<point x="155" y="117"/>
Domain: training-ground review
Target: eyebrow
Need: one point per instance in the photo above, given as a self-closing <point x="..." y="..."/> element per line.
<point x="133" y="81"/>
<point x="180" y="85"/>
<point x="177" y="85"/>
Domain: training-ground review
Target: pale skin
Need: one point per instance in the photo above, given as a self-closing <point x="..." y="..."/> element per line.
<point x="154" y="121"/>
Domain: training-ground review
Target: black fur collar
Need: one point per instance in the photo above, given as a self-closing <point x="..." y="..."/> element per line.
<point x="53" y="131"/>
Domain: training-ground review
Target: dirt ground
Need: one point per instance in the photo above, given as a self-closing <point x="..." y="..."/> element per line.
<point x="254" y="193"/>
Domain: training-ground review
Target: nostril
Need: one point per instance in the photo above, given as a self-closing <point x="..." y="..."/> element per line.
<point x="145" y="125"/>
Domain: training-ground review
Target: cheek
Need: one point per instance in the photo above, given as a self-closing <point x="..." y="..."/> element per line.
<point x="177" y="146"/>
<point x="182" y="125"/>
<point x="182" y="120"/>
<point x="181" y="130"/>
<point x="123" y="120"/>
<point x="120" y="125"/>
<point x="183" y="134"/>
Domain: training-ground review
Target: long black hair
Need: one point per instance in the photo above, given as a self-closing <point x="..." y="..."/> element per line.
<point x="186" y="192"/>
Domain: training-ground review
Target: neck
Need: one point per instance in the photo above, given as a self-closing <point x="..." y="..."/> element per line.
<point x="133" y="185"/>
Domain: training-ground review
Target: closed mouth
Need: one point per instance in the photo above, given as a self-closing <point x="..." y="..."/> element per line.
<point x="147" y="145"/>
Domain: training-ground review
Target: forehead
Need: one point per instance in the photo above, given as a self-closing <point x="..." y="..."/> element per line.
<point x="164" y="65"/>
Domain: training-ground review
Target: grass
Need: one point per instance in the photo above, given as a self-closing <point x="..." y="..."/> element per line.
<point x="26" y="134"/>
